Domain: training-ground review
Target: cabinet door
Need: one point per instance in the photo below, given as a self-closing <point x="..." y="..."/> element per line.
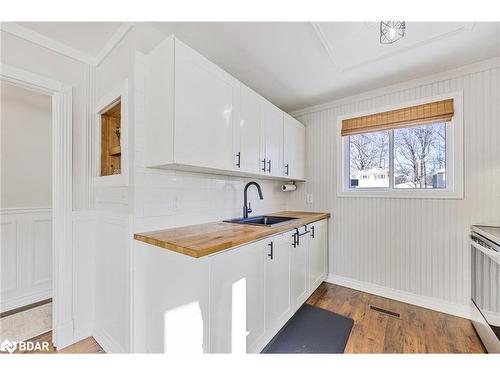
<point x="206" y="104"/>
<point x="278" y="291"/>
<point x="299" y="259"/>
<point x="236" y="284"/>
<point x="318" y="246"/>
<point x="272" y="131"/>
<point x="247" y="137"/>
<point x="293" y="148"/>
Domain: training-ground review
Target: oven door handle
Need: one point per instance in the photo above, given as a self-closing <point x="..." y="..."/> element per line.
<point x="490" y="253"/>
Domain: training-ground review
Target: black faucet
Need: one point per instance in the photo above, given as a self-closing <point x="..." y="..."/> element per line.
<point x="246" y="205"/>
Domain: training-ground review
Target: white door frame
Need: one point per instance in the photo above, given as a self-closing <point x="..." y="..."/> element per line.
<point x="62" y="196"/>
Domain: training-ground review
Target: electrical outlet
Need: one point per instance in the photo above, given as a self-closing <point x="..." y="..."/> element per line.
<point x="309" y="198"/>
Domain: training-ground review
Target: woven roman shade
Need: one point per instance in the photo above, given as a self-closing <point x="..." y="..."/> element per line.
<point x="428" y="113"/>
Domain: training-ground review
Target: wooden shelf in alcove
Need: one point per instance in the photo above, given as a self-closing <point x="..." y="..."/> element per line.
<point x="117" y="150"/>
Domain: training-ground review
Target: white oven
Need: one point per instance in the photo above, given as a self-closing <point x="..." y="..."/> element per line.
<point x="485" y="288"/>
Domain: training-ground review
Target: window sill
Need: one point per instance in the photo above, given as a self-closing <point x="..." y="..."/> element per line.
<point x="407" y="194"/>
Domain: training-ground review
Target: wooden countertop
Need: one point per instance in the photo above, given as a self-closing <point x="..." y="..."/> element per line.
<point x="205" y="239"/>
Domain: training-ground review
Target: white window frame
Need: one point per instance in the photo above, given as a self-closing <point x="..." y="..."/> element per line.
<point x="454" y="156"/>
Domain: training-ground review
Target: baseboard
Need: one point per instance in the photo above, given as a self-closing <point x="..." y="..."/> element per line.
<point x="106" y="342"/>
<point x="64" y="335"/>
<point x="446" y="307"/>
<point x="27" y="299"/>
<point x="83" y="332"/>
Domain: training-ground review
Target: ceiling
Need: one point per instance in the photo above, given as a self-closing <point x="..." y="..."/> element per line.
<point x="299" y="64"/>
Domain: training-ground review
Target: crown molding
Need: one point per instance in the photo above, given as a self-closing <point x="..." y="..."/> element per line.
<point x="112" y="42"/>
<point x="444" y="75"/>
<point x="63" y="49"/>
<point x="51" y="44"/>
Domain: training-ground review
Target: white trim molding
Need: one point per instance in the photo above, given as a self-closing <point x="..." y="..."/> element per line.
<point x="447" y="74"/>
<point x="46" y="42"/>
<point x="431" y="303"/>
<point x="62" y="195"/>
<point x="63" y="49"/>
<point x="112" y="42"/>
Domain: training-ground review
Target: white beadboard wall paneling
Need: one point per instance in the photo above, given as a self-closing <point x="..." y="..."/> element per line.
<point x="88" y="162"/>
<point x="84" y="241"/>
<point x="26" y="256"/>
<point x="417" y="246"/>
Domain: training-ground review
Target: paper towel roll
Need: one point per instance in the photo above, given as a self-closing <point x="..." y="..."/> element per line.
<point x="288" y="187"/>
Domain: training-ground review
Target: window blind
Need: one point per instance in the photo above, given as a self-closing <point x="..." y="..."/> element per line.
<point x="441" y="111"/>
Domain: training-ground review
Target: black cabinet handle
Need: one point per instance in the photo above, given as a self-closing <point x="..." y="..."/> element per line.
<point x="271" y="253"/>
<point x="264" y="168"/>
<point x="269" y="165"/>
<point x="312" y="231"/>
<point x="286" y="169"/>
<point x="295" y="242"/>
<point x="238" y="163"/>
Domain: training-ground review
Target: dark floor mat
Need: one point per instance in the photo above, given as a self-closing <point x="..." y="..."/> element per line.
<point x="312" y="330"/>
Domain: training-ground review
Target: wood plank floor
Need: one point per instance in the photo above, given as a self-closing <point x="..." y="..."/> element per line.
<point x="85" y="346"/>
<point x="417" y="330"/>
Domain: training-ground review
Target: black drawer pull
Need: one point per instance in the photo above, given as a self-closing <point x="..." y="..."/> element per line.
<point x="263" y="168"/>
<point x="271" y="253"/>
<point x="238" y="163"/>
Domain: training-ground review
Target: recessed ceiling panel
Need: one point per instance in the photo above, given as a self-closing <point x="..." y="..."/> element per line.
<point x="353" y="44"/>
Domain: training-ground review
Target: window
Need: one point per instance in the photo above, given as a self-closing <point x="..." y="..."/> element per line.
<point x="418" y="157"/>
<point x="368" y="156"/>
<point x="410" y="152"/>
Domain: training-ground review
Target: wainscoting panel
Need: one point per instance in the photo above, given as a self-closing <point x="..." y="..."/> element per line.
<point x="418" y="246"/>
<point x="26" y="256"/>
<point x="112" y="282"/>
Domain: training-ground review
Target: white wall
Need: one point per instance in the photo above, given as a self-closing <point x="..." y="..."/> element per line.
<point x="26" y="197"/>
<point x="26" y="151"/>
<point x="31" y="57"/>
<point x="409" y="247"/>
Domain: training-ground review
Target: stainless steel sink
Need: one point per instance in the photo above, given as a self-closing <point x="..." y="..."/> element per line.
<point x="266" y="221"/>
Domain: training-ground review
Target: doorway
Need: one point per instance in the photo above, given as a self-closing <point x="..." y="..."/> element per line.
<point x="26" y="213"/>
<point x="60" y="218"/>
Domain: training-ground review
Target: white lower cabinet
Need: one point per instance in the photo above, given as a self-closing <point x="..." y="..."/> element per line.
<point x="278" y="283"/>
<point x="299" y="254"/>
<point x="237" y="276"/>
<point x="318" y="245"/>
<point x="256" y="288"/>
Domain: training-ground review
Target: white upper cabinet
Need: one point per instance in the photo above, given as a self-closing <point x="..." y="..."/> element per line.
<point x="190" y="106"/>
<point x="200" y="118"/>
<point x="272" y="138"/>
<point x="247" y="140"/>
<point x="206" y="103"/>
<point x="293" y="148"/>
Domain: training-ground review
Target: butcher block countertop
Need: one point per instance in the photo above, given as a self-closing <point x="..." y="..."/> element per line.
<point x="205" y="239"/>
